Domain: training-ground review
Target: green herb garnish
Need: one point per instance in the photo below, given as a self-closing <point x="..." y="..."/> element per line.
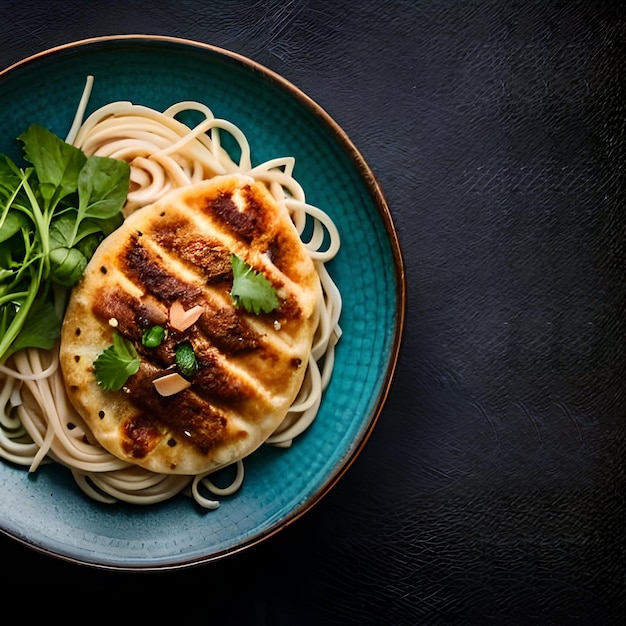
<point x="186" y="359"/>
<point x="53" y="215"/>
<point x="251" y="289"/>
<point x="153" y="337"/>
<point x="116" y="364"/>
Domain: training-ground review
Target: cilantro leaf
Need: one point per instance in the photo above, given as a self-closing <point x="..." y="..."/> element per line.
<point x="251" y="289"/>
<point x="116" y="364"/>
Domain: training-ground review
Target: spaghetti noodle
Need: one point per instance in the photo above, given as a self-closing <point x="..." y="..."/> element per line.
<point x="38" y="424"/>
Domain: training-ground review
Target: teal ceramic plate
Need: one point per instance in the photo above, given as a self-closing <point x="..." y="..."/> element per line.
<point x="46" y="511"/>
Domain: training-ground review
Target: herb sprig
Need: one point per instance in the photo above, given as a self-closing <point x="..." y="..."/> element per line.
<point x="53" y="215"/>
<point x="251" y="289"/>
<point x="116" y="363"/>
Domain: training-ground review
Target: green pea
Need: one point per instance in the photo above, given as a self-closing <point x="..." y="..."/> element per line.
<point x="153" y="337"/>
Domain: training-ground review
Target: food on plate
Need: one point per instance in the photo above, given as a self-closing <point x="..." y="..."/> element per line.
<point x="199" y="319"/>
<point x="169" y="258"/>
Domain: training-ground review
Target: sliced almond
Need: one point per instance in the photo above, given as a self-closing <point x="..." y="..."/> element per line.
<point x="180" y="319"/>
<point x="170" y="384"/>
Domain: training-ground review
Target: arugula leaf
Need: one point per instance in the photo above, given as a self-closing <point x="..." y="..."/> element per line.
<point x="116" y="364"/>
<point x="251" y="289"/>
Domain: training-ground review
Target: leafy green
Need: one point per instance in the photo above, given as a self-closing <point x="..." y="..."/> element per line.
<point x="116" y="364"/>
<point x="11" y="225"/>
<point x="41" y="328"/>
<point x="57" y="163"/>
<point x="53" y="215"/>
<point x="251" y="289"/>
<point x="186" y="359"/>
<point x="102" y="188"/>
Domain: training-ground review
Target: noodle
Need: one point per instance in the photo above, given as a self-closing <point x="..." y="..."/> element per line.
<point x="37" y="421"/>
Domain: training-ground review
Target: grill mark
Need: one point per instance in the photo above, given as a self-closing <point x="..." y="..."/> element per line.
<point x="216" y="382"/>
<point x="209" y="257"/>
<point x="150" y="273"/>
<point x="285" y="254"/>
<point x="186" y="415"/>
<point x="227" y="331"/>
<point x="108" y="305"/>
<point x="248" y="225"/>
<point x="125" y="309"/>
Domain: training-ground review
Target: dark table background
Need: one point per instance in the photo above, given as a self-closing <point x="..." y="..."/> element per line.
<point x="493" y="487"/>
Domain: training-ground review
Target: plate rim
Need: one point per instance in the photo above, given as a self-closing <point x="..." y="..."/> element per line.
<point x="374" y="189"/>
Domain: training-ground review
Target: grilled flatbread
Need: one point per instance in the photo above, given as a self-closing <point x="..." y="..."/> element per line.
<point x="250" y="367"/>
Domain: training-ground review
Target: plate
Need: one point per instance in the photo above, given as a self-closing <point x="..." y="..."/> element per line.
<point x="46" y="510"/>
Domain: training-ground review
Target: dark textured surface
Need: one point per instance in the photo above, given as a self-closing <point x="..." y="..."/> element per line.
<point x="493" y="487"/>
